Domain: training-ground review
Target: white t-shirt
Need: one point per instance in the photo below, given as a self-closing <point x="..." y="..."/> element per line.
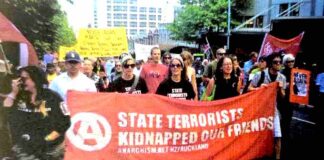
<point x="62" y="83"/>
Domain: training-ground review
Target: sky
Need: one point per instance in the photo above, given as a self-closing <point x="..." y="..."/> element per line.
<point x="79" y="13"/>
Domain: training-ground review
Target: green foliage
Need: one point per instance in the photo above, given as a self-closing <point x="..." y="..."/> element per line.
<point x="41" y="21"/>
<point x="205" y="14"/>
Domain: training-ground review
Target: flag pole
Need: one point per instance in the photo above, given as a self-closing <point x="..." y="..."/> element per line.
<point x="209" y="46"/>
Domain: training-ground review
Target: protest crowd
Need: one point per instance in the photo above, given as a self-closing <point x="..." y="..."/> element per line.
<point x="35" y="115"/>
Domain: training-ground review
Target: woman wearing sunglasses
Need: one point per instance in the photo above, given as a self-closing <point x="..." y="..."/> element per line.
<point x="128" y="82"/>
<point x="38" y="118"/>
<point x="177" y="84"/>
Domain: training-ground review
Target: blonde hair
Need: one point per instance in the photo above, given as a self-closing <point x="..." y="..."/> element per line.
<point x="187" y="55"/>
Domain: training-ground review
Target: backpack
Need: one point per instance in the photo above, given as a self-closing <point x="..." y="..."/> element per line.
<point x="246" y="87"/>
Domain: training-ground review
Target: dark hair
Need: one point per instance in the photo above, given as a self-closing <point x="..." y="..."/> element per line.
<point x="164" y="55"/>
<point x="38" y="76"/>
<point x="271" y="57"/>
<point x="183" y="72"/>
<point x="219" y="71"/>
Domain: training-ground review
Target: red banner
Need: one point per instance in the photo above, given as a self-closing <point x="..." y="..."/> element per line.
<point x="272" y="44"/>
<point x="122" y="126"/>
<point x="299" y="88"/>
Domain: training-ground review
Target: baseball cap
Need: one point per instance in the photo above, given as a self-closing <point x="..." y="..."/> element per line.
<point x="72" y="56"/>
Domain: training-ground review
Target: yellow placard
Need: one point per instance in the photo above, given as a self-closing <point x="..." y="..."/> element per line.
<point x="63" y="50"/>
<point x="93" y="42"/>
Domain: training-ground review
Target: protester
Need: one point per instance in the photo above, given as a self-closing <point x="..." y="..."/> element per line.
<point x="154" y="73"/>
<point x="211" y="68"/>
<point x="191" y="72"/>
<point x="128" y="82"/>
<point x="248" y="65"/>
<point x="166" y="60"/>
<point x="37" y="117"/>
<point x="226" y="81"/>
<point x="260" y="67"/>
<point x="117" y="71"/>
<point x="51" y="72"/>
<point x="138" y="67"/>
<point x="5" y="81"/>
<point x="73" y="79"/>
<point x="176" y="85"/>
<point x="284" y="106"/>
<point x="101" y="82"/>
<point x="272" y="74"/>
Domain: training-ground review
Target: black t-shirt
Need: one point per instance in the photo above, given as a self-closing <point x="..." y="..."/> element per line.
<point x="120" y="85"/>
<point x="179" y="90"/>
<point x="226" y="88"/>
<point x="29" y="126"/>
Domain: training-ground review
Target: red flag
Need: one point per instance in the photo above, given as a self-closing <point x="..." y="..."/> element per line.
<point x="272" y="44"/>
<point x="9" y="33"/>
<point x="124" y="126"/>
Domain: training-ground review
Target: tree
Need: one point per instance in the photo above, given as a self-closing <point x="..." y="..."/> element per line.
<point x="204" y="14"/>
<point x="41" y="21"/>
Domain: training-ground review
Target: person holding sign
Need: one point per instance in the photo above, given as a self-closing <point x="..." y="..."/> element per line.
<point x="177" y="84"/>
<point x="285" y="107"/>
<point x="128" y="82"/>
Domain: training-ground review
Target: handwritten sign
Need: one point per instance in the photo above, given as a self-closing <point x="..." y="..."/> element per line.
<point x="93" y="42"/>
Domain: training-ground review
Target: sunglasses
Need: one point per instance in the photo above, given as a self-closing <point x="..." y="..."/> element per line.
<point x="290" y="61"/>
<point x="221" y="54"/>
<point x="73" y="62"/>
<point x="118" y="65"/>
<point x="167" y="57"/>
<point x="276" y="62"/>
<point x="129" y="65"/>
<point x="175" y="65"/>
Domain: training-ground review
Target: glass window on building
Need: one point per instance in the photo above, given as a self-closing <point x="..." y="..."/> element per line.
<point x="118" y="16"/>
<point x="108" y="23"/>
<point x="133" y="16"/>
<point x="159" y="17"/>
<point x="120" y="24"/>
<point x="142" y="17"/>
<point x="160" y="10"/>
<point x="288" y="9"/>
<point x="152" y="10"/>
<point x="120" y="1"/>
<point x="133" y="9"/>
<point x="142" y="24"/>
<point x="133" y="24"/>
<point x="133" y="1"/>
<point x="152" y="25"/>
<point x="152" y="17"/>
<point x="133" y="32"/>
<point x="142" y="31"/>
<point x="108" y="16"/>
<point x="142" y="9"/>
<point x="120" y="8"/>
<point x="108" y="8"/>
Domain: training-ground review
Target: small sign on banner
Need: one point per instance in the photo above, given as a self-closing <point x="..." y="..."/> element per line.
<point x="299" y="86"/>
